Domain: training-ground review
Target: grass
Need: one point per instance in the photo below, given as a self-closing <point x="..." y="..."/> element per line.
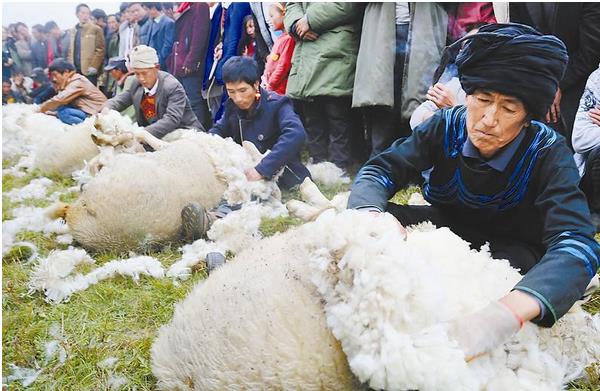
<point x="115" y="318"/>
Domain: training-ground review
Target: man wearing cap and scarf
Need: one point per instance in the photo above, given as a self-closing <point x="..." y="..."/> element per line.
<point x="498" y="176"/>
<point x="160" y="100"/>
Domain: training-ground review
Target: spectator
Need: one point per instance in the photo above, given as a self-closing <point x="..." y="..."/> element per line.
<point x="58" y="39"/>
<point x="247" y="41"/>
<point x="160" y="100"/>
<point x="8" y="95"/>
<point x="225" y="35"/>
<point x="128" y="31"/>
<point x="8" y="50"/>
<point x="21" y="84"/>
<point x="42" y="53"/>
<point x="169" y="9"/>
<point x="112" y="38"/>
<point x="86" y="48"/>
<point x="462" y="16"/>
<point x="265" y="33"/>
<point x="187" y="59"/>
<point x="578" y="26"/>
<point x="42" y="88"/>
<point x="586" y="142"/>
<point x="161" y="32"/>
<point x="322" y="74"/>
<point x="123" y="81"/>
<point x="279" y="62"/>
<point x="23" y="45"/>
<point x="140" y="16"/>
<point x="99" y="18"/>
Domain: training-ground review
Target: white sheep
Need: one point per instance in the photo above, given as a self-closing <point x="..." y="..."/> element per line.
<point x="136" y="199"/>
<point x="258" y="322"/>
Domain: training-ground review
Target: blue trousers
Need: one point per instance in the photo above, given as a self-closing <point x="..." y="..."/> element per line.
<point x="71" y="115"/>
<point x="192" y="84"/>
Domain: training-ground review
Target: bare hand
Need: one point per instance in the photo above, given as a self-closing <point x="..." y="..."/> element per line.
<point x="554" y="111"/>
<point x="302" y="26"/>
<point x="253" y="175"/>
<point x="441" y="96"/>
<point x="310" y="36"/>
<point x="595" y="115"/>
<point x="218" y="51"/>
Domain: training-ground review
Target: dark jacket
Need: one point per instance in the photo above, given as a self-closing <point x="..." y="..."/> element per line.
<point x="535" y="200"/>
<point x="39" y="53"/>
<point x="172" y="105"/>
<point x="192" y="30"/>
<point x="160" y="36"/>
<point x="271" y="125"/>
<point x="232" y="32"/>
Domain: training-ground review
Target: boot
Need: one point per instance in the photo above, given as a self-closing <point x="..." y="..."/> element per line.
<point x="195" y="222"/>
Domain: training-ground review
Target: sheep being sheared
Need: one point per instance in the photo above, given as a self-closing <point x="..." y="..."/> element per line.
<point x="136" y="199"/>
<point x="387" y="300"/>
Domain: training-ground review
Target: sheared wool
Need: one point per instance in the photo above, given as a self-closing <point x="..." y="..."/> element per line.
<point x="386" y="299"/>
<point x="29" y="219"/>
<point x="36" y="189"/>
<point x="328" y="174"/>
<point x="54" y="347"/>
<point x="52" y="275"/>
<point x="26" y="376"/>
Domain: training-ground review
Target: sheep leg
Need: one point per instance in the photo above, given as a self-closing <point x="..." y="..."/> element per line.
<point x="313" y="196"/>
<point x="151" y="140"/>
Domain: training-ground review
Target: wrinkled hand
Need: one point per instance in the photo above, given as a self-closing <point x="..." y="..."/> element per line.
<point x="218" y="51"/>
<point x="253" y="175"/>
<point x="481" y="332"/>
<point x="310" y="36"/>
<point x="595" y="115"/>
<point x="441" y="96"/>
<point x="554" y="112"/>
<point x="92" y="71"/>
<point x="302" y="26"/>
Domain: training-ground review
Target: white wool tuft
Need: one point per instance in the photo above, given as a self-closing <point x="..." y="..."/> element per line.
<point x="108" y="362"/>
<point x="53" y="274"/>
<point x="29" y="219"/>
<point x="116" y="382"/>
<point x="417" y="199"/>
<point x="36" y="189"/>
<point x="54" y="348"/>
<point x="328" y="174"/>
<point x="26" y="376"/>
<point x="193" y="254"/>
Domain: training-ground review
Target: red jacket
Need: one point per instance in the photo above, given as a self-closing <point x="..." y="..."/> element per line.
<point x="279" y="63"/>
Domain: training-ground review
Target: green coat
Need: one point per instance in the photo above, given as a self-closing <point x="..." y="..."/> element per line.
<point x="324" y="67"/>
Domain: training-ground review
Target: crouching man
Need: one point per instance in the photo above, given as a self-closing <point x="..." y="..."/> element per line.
<point x="77" y="97"/>
<point x="160" y="100"/>
<point x="498" y="176"/>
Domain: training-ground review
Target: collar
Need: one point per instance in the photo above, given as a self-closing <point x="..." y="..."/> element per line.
<point x="501" y="158"/>
<point x="152" y="91"/>
<point x="157" y="19"/>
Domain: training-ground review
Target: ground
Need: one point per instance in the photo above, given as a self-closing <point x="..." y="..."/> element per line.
<point x="116" y="318"/>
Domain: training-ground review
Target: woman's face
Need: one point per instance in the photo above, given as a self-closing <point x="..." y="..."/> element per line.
<point x="250" y="28"/>
<point x="242" y="93"/>
<point x="493" y="120"/>
<point x="276" y="18"/>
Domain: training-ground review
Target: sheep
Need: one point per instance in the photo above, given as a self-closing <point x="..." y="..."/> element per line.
<point x="135" y="201"/>
<point x="262" y="320"/>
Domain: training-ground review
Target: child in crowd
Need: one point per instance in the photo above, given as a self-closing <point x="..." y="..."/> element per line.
<point x="279" y="62"/>
<point x="247" y="42"/>
<point x="8" y="95"/>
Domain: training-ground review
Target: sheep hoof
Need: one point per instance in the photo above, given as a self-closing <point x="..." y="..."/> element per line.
<point x="214" y="260"/>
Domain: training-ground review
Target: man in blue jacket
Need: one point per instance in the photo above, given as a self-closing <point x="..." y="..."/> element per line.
<point x="268" y="121"/>
<point x="498" y="176"/>
<point x="161" y="32"/>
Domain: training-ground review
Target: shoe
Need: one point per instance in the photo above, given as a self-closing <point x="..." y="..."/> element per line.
<point x="195" y="222"/>
<point x="214" y="260"/>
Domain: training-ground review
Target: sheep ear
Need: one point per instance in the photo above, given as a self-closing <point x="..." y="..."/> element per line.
<point x="57" y="211"/>
<point x="251" y="149"/>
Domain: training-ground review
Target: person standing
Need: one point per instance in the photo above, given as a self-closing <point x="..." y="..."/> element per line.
<point x="279" y="62"/>
<point x="161" y="32"/>
<point x="86" y="49"/>
<point x="58" y="39"/>
<point x="23" y="46"/>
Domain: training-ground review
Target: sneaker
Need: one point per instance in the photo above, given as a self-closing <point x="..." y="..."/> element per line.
<point x="195" y="222"/>
<point x="214" y="260"/>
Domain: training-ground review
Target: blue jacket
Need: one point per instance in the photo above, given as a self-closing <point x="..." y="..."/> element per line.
<point x="232" y="32"/>
<point x="536" y="200"/>
<point x="271" y="124"/>
<point x="160" y="37"/>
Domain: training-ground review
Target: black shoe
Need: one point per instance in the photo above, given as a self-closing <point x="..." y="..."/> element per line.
<point x="214" y="260"/>
<point x="195" y="222"/>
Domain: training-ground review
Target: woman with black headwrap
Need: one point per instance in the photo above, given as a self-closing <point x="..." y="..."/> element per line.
<point x="498" y="176"/>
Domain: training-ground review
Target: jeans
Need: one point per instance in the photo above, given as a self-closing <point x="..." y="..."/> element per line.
<point x="192" y="84"/>
<point x="71" y="115"/>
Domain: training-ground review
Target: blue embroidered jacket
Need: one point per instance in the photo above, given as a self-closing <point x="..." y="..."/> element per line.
<point x="536" y="199"/>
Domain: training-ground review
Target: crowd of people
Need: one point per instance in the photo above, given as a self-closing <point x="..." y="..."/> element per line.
<point x="493" y="107"/>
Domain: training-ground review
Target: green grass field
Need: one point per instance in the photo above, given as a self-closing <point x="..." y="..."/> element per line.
<point x="116" y="318"/>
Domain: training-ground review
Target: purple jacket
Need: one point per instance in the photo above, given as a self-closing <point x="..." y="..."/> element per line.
<point x="192" y="31"/>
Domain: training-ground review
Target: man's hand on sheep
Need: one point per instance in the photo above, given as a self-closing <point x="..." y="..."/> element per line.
<point x="253" y="175"/>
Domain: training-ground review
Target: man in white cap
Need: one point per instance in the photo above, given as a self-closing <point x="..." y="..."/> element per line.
<point x="160" y="100"/>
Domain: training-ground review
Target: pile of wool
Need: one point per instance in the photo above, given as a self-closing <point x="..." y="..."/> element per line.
<point x="135" y="201"/>
<point x="385" y="299"/>
<point x="53" y="275"/>
<point x="328" y="174"/>
<point x="35" y="189"/>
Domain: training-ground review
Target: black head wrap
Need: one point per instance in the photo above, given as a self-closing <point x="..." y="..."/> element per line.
<point x="512" y="59"/>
